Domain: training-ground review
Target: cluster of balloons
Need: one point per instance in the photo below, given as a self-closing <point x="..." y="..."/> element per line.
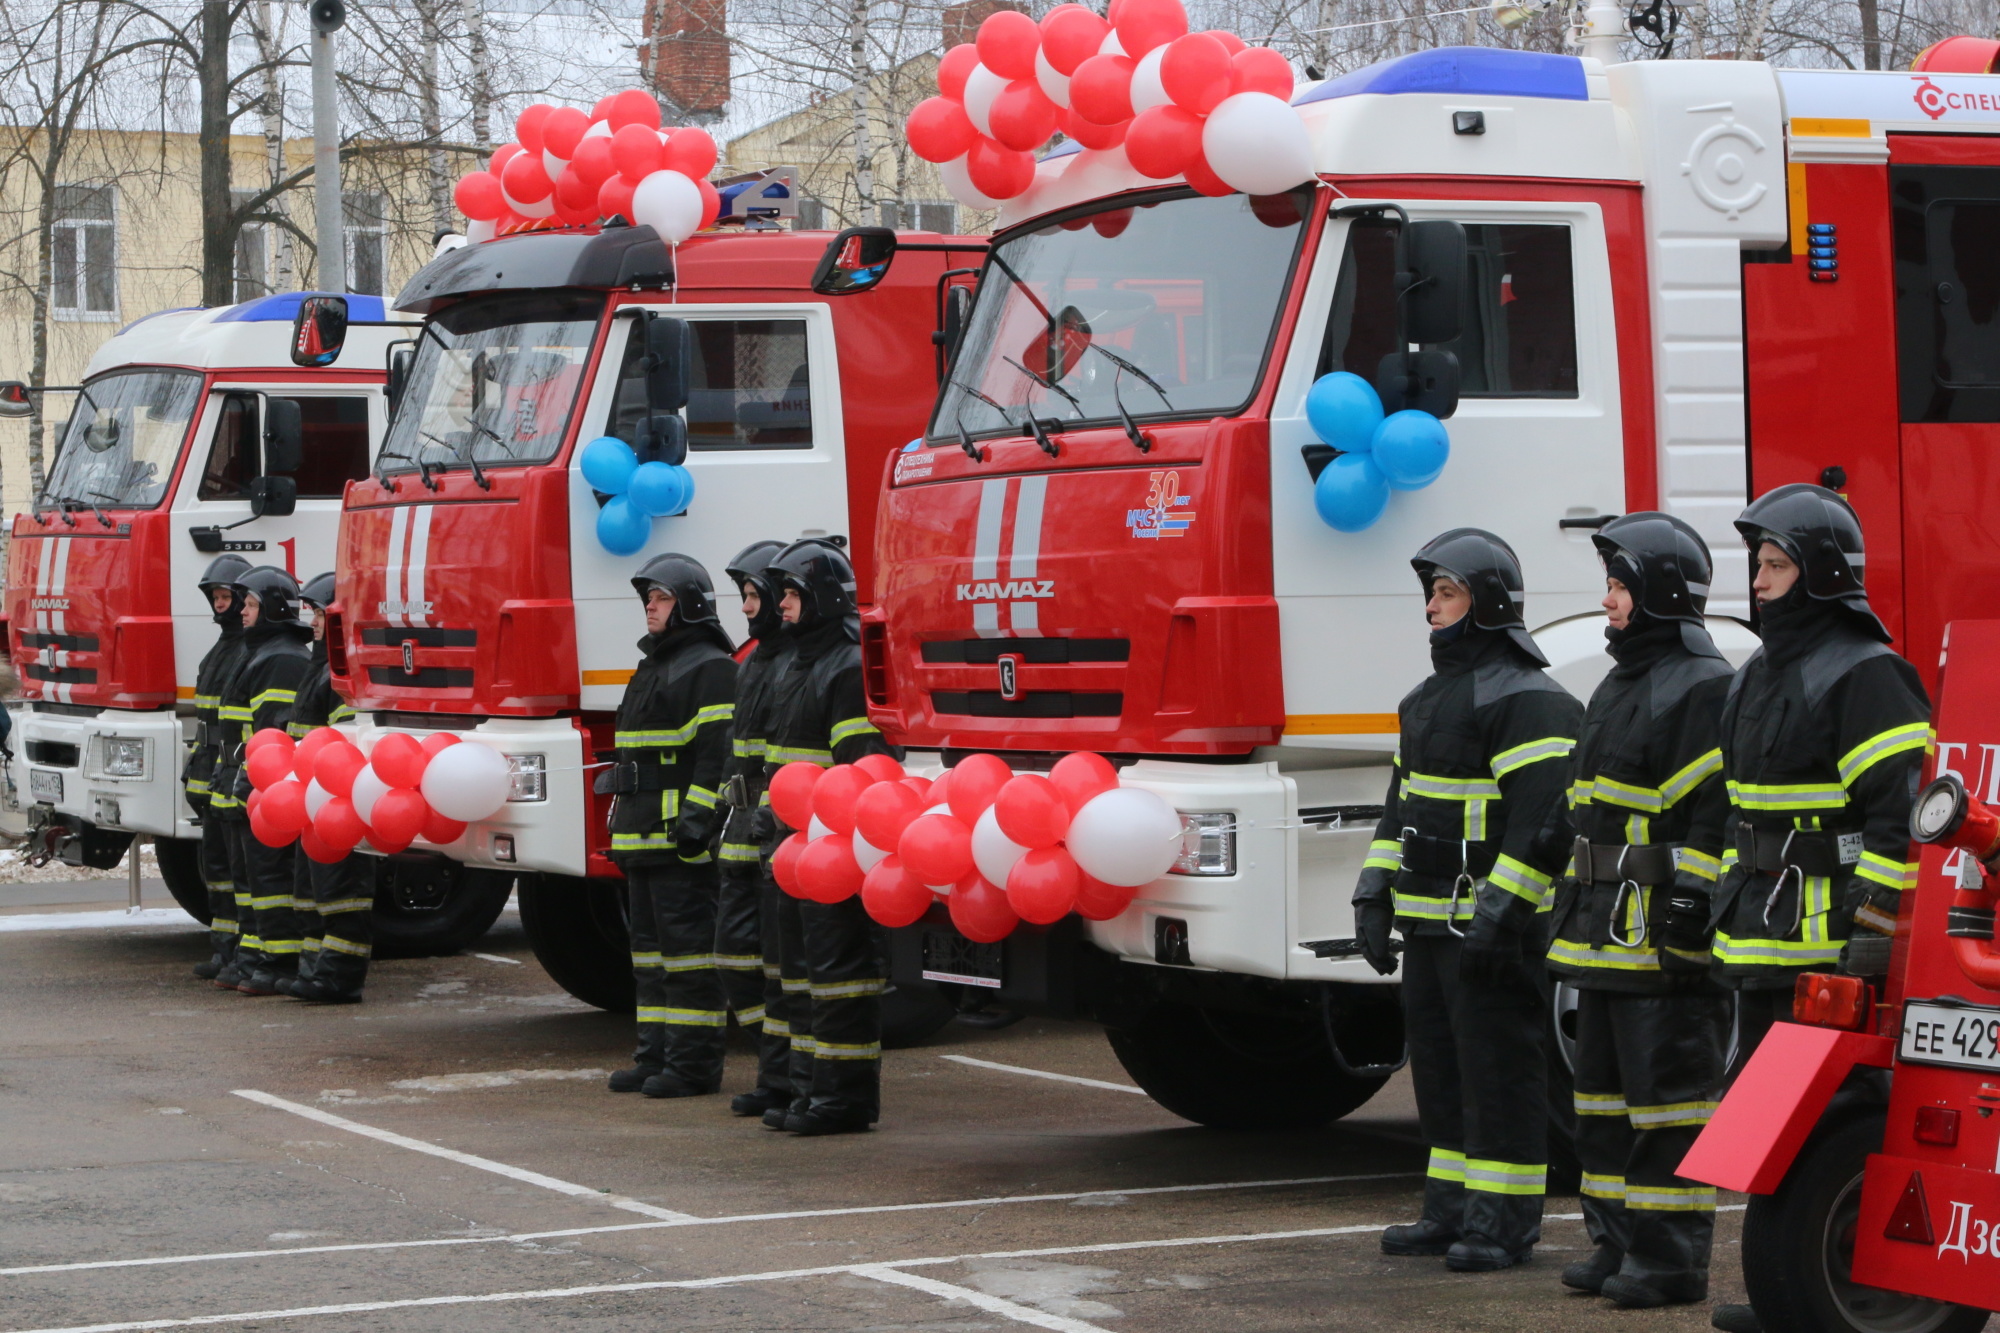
<point x="1137" y="86"/>
<point x="325" y="793"/>
<point x="570" y="168"/>
<point x="640" y="492"/>
<point x="1379" y="453"/>
<point x="997" y="847"/>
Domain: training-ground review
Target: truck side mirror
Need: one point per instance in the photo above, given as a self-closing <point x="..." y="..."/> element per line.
<point x="855" y="260"/>
<point x="284" y="436"/>
<point x="669" y="353"/>
<point x="319" y="330"/>
<point x="1433" y="280"/>
<point x="402" y="356"/>
<point x="273" y="497"/>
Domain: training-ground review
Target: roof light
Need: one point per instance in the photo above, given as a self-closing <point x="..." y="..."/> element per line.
<point x="1463" y="71"/>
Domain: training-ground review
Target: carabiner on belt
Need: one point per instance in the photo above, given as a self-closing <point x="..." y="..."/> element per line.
<point x="1778" y="891"/>
<point x="1626" y="888"/>
<point x="1462" y="885"/>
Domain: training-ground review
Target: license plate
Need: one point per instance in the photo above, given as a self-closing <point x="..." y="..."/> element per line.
<point x="1936" y="1034"/>
<point x="949" y="956"/>
<point x="43" y="785"/>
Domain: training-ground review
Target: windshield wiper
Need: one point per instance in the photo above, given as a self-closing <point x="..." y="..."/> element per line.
<point x="424" y="467"/>
<point x="1139" y="441"/>
<point x="102" y="517"/>
<point x="965" y="443"/>
<point x="1034" y="423"/>
<point x="470" y="452"/>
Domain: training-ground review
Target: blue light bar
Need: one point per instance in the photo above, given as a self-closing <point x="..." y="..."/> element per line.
<point x="283" y="307"/>
<point x="1467" y="71"/>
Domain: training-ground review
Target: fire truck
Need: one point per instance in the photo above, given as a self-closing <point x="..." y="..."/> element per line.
<point x="474" y="593"/>
<point x="1668" y="284"/>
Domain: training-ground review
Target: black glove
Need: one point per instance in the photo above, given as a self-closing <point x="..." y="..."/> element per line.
<point x="1490" y="954"/>
<point x="1686" y="931"/>
<point x="693" y="831"/>
<point x="763" y="825"/>
<point x="1372" y="921"/>
<point x="1866" y="954"/>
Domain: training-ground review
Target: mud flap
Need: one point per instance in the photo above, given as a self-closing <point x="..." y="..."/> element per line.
<point x="1774" y="1104"/>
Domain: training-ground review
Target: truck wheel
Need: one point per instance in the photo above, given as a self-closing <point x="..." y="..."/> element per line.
<point x="577" y="929"/>
<point x="1239" y="1071"/>
<point x="180" y="867"/>
<point x="1565" y="1171"/>
<point x="1798" y="1248"/>
<point x="912" y="1015"/>
<point x="424" y="915"/>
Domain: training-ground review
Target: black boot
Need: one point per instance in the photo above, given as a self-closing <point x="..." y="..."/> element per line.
<point x="318" y="990"/>
<point x="1418" y="1238"/>
<point x="263" y="981"/>
<point x="1736" y="1319"/>
<point x="814" y="1124"/>
<point x="1589" y="1274"/>
<point x="1650" y="1293"/>
<point x="630" y="1080"/>
<point x="784" y="1114"/>
<point x="1476" y="1254"/>
<point x="758" y="1101"/>
<point x="208" y="971"/>
<point x="672" y="1085"/>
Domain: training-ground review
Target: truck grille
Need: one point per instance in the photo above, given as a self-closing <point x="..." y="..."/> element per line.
<point x="60" y="675"/>
<point x="71" y="643"/>
<point x="976" y="652"/>
<point x="389" y="636"/>
<point x="426" y="678"/>
<point x="1041" y="703"/>
<point x="56" y="754"/>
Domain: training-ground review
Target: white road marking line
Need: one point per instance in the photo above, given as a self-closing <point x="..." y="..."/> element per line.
<point x="104" y="920"/>
<point x="1020" y="1314"/>
<point x="568" y="1232"/>
<point x="496" y="958"/>
<point x="464" y="1159"/>
<point x="1043" y="1073"/>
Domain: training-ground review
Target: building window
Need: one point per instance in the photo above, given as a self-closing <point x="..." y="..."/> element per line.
<point x="253" y="253"/>
<point x="921" y="215"/>
<point x="85" y="238"/>
<point x="367" y="241"/>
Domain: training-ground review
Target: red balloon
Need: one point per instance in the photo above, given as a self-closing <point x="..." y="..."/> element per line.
<point x="614" y="198"/>
<point x="1092" y="135"/>
<point x="1204" y="180"/>
<point x="691" y="152"/>
<point x="477" y="195"/>
<point x="528" y="128"/>
<point x="1071" y="35"/>
<point x="880" y="768"/>
<point x="955" y="69"/>
<point x="1145" y="24"/>
<point x="268" y="766"/>
<point x="336" y="766"/>
<point x="398" y="817"/>
<point x="338" y="825"/>
<point x="398" y="760"/>
<point x="1042" y="886"/>
<point x="267" y="736"/>
<point x="636" y="151"/>
<point x="1259" y="69"/>
<point x="923" y="788"/>
<point x="981" y="912"/>
<point x="563" y="130"/>
<point x="939" y="792"/>
<point x="311" y="844"/>
<point x="997" y="172"/>
<point x="592" y="164"/>
<point x="893" y="896"/>
<point x="438" y="740"/>
<point x="1080" y="776"/>
<point x="308" y="749"/>
<point x="283" y="806"/>
<point x="267" y="833"/>
<point x="937" y="849"/>
<point x="792" y="789"/>
<point x="975" y="781"/>
<point x="1101" y="90"/>
<point x="827" y="870"/>
<point x="633" y="107"/>
<point x="884" y="811"/>
<point x="525" y="180"/>
<point x="1112" y="223"/>
<point x="711" y="203"/>
<point x="1022" y="117"/>
<point x="502" y="155"/>
<point x="1230" y="41"/>
<point x="785" y="864"/>
<point x="1195" y="72"/>
<point x="833" y="797"/>
<point x="1098" y="901"/>
<point x="575" y="199"/>
<point x="939" y="130"/>
<point x="1163" y="140"/>
<point x="440" y="830"/>
<point x="1007" y="44"/>
<point x="1030" y="811"/>
<point x="602" y="111"/>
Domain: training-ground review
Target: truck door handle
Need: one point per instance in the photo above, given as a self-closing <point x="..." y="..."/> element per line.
<point x="1590" y="522"/>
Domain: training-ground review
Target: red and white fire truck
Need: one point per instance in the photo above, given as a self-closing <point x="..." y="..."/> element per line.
<point x="474" y="593"/>
<point x="1683" y="282"/>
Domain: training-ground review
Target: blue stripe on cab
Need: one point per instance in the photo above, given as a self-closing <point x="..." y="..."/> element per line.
<point x="1464" y="71"/>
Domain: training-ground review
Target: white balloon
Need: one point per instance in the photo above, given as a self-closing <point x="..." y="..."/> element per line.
<point x="816" y="830"/>
<point x="599" y="129"/>
<point x="958" y="184"/>
<point x="1147" y="90"/>
<point x="1257" y="144"/>
<point x="941" y="808"/>
<point x="993" y="851"/>
<point x="368" y="789"/>
<point x="316" y="796"/>
<point x="544" y="209"/>
<point x="1055" y="84"/>
<point x="867" y="853"/>
<point x="479" y="230"/>
<point x="1127" y="836"/>
<point x="669" y="203"/>
<point x="1111" y="46"/>
<point x="981" y="87"/>
<point x="467" y="781"/>
<point x="553" y="165"/>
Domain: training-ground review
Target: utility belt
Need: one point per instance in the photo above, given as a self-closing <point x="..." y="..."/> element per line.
<point x="741" y="791"/>
<point x="1632" y="868"/>
<point x="1793" y="856"/>
<point x="632" y="778"/>
<point x="1444" y="857"/>
<point x="1650" y="864"/>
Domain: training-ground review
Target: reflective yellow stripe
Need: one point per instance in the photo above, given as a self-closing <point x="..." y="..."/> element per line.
<point x="1797" y="796"/>
<point x="1603" y="1187"/>
<point x="786" y="754"/>
<point x="1493" y="1177"/>
<point x="1450" y="789"/>
<point x="1599" y="1103"/>
<point x="1776" y="953"/>
<point x="1384" y="854"/>
<point x="646" y="959"/>
<point x="1611" y="957"/>
<point x="744" y="748"/>
<point x="803" y="1042"/>
<point x="848" y="990"/>
<point x="1531" y="752"/>
<point x="695" y="1018"/>
<point x="1523" y="881"/>
<point x="337" y="945"/>
<point x="842" y="1050"/>
<point x="233" y="714"/>
<point x="1446" y="1165"/>
<point x="272" y="697"/>
<point x="687" y="962"/>
<point x="754" y="1014"/>
<point x="739" y="962"/>
<point x="776" y="1027"/>
<point x="1699" y="864"/>
<point x="847" y="728"/>
<point x="635" y="842"/>
<point x="1696" y="773"/>
<point x="342" y="906"/>
<point x="340" y="713"/>
<point x="1889" y="874"/>
<point x="1674" y="1113"/>
<point x="1670" y="1198"/>
<point x="297" y="730"/>
<point x="1896" y="740"/>
<point x="701" y="796"/>
<point x="1433" y="909"/>
<point x="740" y="851"/>
<point x="1610" y="791"/>
<point x="652" y="1014"/>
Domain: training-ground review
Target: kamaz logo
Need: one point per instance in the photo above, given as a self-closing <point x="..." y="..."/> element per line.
<point x="48" y="603"/>
<point x="1018" y="590"/>
<point x="389" y="609"/>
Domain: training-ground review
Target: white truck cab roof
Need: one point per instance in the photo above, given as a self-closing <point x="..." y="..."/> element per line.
<point x="240" y="337"/>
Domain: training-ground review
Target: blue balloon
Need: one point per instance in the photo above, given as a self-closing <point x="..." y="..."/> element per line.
<point x="1351" y="493"/>
<point x="1344" y="410"/>
<point x="622" y="528"/>
<point x="687" y="490"/>
<point x="608" y="464"/>
<point x="657" y="489"/>
<point x="1411" y="448"/>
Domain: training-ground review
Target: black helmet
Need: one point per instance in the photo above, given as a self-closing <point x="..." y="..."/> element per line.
<point x="319" y="591"/>
<point x="222" y="572"/>
<point x="752" y="566"/>
<point x="821" y="573"/>
<point x="1488" y="568"/>
<point x="688" y="581"/>
<point x="276" y="591"/>
<point x="1662" y="560"/>
<point x="1819" y="531"/>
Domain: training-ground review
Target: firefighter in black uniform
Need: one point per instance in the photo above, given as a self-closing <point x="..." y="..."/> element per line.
<point x="746" y="947"/>
<point x="216" y="664"/>
<point x="673" y="744"/>
<point x="1647" y="810"/>
<point x="1823" y="736"/>
<point x="830" y="952"/>
<point x="1462" y="866"/>
<point x="260" y="694"/>
<point x="335" y="902"/>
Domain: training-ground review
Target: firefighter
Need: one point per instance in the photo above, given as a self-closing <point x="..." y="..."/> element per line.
<point x="830" y="953"/>
<point x="746" y="933"/>
<point x="216" y="664"/>
<point x="260" y="694"/>
<point x="673" y="744"/>
<point x="1647" y="810"/>
<point x="1461" y="867"/>
<point x="335" y="902"/>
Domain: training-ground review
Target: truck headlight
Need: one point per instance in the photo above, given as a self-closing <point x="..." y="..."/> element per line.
<point x="1208" y="844"/>
<point x="529" y="777"/>
<point x="120" y="756"/>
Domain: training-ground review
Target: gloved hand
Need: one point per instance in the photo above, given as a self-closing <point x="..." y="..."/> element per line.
<point x="694" y="831"/>
<point x="1874" y="906"/>
<point x="763" y="825"/>
<point x="1372" y="921"/>
<point x="1490" y="954"/>
<point x="1866" y="954"/>
<point x="1686" y="931"/>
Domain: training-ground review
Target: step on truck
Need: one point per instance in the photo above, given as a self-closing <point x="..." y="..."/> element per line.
<point x="194" y="432"/>
<point x="474" y="594"/>
<point x="1669" y="284"/>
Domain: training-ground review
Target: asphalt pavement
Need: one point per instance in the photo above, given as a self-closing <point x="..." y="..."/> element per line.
<point x="445" y="1157"/>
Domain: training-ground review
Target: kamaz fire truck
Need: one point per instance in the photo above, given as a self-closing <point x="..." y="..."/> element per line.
<point x="1669" y="284"/>
<point x="474" y="593"/>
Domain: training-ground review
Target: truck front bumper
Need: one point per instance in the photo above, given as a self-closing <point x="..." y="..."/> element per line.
<point x="116" y="769"/>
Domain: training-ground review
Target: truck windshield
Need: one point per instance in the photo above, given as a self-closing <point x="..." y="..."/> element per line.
<point x="119" y="449"/>
<point x="1168" y="306"/>
<point x="494" y="380"/>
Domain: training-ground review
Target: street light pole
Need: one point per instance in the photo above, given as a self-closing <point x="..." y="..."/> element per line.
<point x="327" y="18"/>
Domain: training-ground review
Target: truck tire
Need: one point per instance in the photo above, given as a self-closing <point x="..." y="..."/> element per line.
<point x="440" y="917"/>
<point x="912" y="1015"/>
<point x="577" y="929"/>
<point x="180" y="867"/>
<point x="1565" y="1171"/>
<point x="1798" y="1247"/>
<point x="1232" y="1070"/>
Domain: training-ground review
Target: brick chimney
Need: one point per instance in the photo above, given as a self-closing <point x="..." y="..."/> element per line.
<point x="962" y="20"/>
<point x="684" y="57"/>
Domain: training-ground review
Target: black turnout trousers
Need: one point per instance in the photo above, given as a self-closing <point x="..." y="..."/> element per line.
<point x="227" y="902"/>
<point x="834" y="973"/>
<point x="272" y="932"/>
<point x="681" y="1013"/>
